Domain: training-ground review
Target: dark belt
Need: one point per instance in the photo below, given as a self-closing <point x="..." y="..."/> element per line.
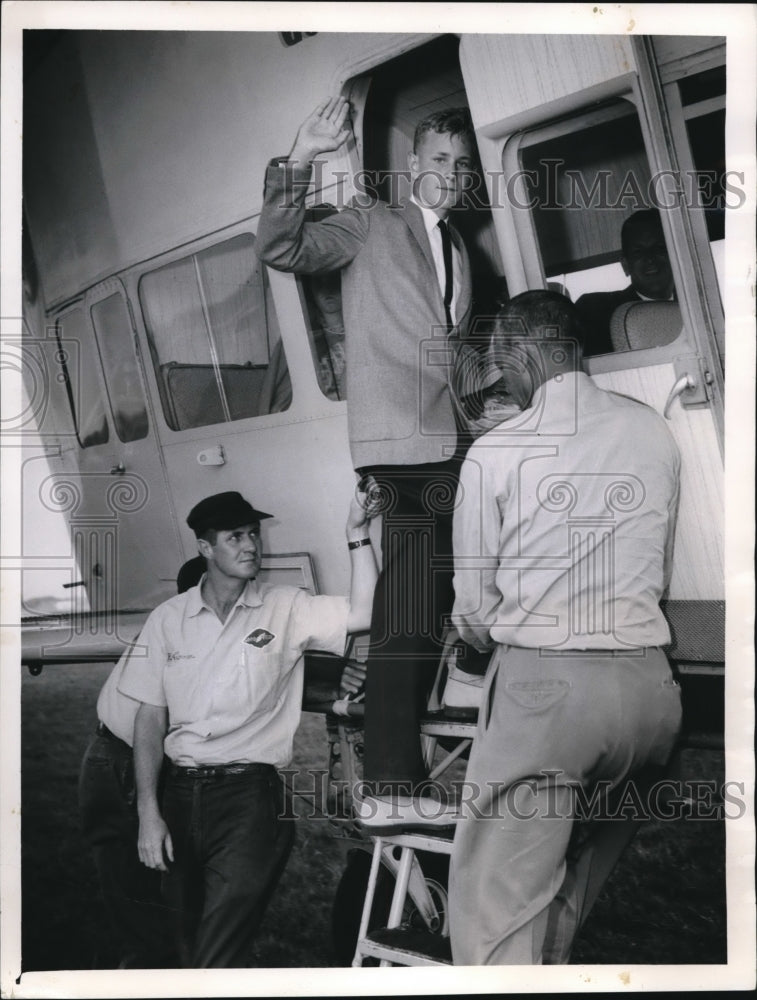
<point x="220" y="770"/>
<point x="548" y="651"/>
<point x="102" y="730"/>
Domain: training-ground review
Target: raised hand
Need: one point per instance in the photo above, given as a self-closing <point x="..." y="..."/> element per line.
<point x="322" y="131"/>
<point x="367" y="503"/>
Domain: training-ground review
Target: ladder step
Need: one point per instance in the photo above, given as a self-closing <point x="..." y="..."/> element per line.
<point x="407" y="946"/>
<point x="436" y="843"/>
<point x="452" y="713"/>
<point x="441" y="724"/>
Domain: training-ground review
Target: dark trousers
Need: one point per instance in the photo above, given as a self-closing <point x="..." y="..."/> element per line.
<point x="231" y="841"/>
<point x="130" y="891"/>
<point x="411" y="608"/>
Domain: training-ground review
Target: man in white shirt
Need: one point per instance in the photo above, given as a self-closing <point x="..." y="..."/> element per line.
<point x="563" y="537"/>
<point x="220" y="684"/>
<point x="406" y="286"/>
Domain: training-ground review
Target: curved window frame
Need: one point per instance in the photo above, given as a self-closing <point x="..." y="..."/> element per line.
<point x="512" y="163"/>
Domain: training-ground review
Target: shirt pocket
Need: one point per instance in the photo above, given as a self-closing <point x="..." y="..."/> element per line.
<point x="254" y="685"/>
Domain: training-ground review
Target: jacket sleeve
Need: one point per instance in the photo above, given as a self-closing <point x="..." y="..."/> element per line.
<point x="286" y="242"/>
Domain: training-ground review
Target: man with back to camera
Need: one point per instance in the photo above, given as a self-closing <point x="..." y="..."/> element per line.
<point x="644" y="258"/>
<point x="563" y="541"/>
<point x="406" y="285"/>
<point x="220" y="687"/>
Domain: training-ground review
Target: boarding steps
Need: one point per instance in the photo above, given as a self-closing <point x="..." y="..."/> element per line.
<point x="397" y="943"/>
<point x="453" y="728"/>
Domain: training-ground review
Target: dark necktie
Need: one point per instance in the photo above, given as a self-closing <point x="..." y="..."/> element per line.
<point x="447" y="253"/>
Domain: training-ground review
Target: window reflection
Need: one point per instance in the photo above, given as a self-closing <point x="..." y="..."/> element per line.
<point x="115" y="342"/>
<point x="82" y="382"/>
<point x="214" y="337"/>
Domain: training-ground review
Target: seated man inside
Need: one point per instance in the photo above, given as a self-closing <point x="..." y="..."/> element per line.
<point x="220" y="686"/>
<point x="644" y="258"/>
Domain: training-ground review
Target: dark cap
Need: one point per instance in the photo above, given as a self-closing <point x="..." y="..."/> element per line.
<point x="223" y="511"/>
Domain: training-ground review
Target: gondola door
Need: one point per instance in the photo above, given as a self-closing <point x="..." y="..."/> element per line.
<point x="108" y="479"/>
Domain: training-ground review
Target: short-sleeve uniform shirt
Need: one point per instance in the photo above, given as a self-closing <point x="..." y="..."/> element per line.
<point x="233" y="689"/>
<point x="114" y="709"/>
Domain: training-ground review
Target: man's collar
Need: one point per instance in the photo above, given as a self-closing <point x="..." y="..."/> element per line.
<point x="553" y="403"/>
<point x="195" y="602"/>
<point x="250" y="597"/>
<point x="430" y="218"/>
<point x="646" y="298"/>
<point x="562" y="386"/>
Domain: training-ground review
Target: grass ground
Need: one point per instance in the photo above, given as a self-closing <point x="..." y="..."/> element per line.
<point x="665" y="902"/>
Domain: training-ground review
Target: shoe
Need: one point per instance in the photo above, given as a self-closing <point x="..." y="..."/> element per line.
<point x="462" y="690"/>
<point x="383" y="813"/>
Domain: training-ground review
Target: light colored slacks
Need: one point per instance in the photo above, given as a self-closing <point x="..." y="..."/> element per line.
<point x="549" y="724"/>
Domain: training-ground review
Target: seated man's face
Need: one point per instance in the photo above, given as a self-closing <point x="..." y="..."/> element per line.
<point x="645" y="261"/>
<point x="438" y="169"/>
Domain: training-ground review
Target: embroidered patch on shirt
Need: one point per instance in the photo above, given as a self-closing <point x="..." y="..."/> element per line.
<point x="259" y="637"/>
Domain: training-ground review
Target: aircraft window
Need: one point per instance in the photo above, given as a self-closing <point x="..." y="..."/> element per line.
<point x="115" y="342"/>
<point x="703" y="99"/>
<point x="214" y="336"/>
<point x="707" y="141"/>
<point x="82" y="383"/>
<point x="583" y="179"/>
<point x="703" y="86"/>
<point x="322" y="295"/>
